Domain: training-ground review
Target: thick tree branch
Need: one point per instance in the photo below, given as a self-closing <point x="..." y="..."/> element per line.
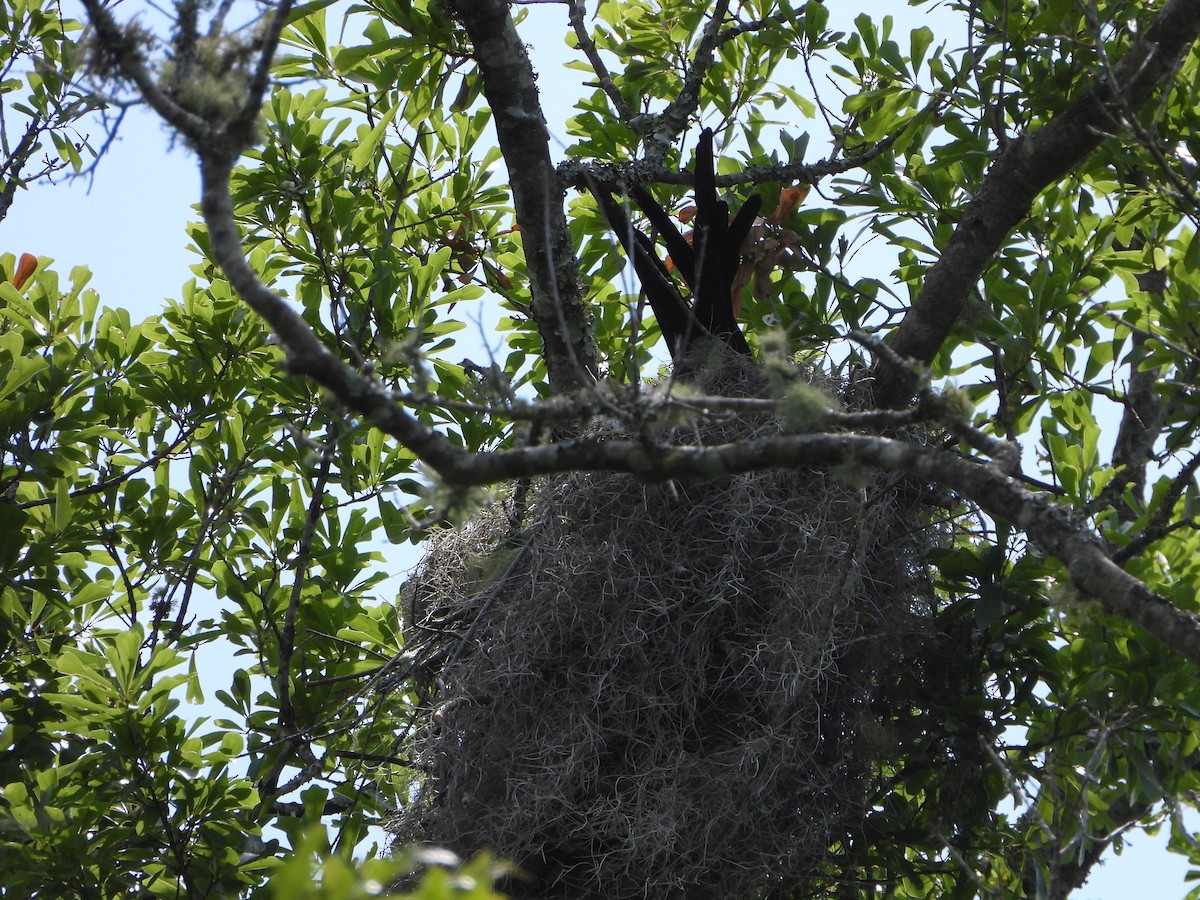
<point x="998" y="494"/>
<point x="556" y="298"/>
<point x="1051" y="526"/>
<point x="307" y="356"/>
<point x="580" y="175"/>
<point x="1028" y="166"/>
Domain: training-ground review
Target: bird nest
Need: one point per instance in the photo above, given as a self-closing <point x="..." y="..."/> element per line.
<point x="679" y="689"/>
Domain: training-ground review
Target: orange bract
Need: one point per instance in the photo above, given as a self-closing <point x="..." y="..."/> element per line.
<point x="25" y="268"/>
<point x="789" y="199"/>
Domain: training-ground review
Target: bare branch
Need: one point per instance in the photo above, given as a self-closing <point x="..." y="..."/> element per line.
<point x="603" y="77"/>
<point x="11" y="168"/>
<point x="1161" y="524"/>
<point x="244" y="121"/>
<point x="581" y="176"/>
<point x="1143" y="415"/>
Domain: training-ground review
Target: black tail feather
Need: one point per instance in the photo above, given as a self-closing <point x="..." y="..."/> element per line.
<point x="708" y="264"/>
<point x="674" y="317"/>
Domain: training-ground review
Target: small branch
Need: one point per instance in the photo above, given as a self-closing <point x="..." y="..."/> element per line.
<point x="1160" y="524"/>
<point x="12" y="166"/>
<point x="1006" y="454"/>
<point x="576" y="10"/>
<point x="150" y="462"/>
<point x="291" y="737"/>
<point x="335" y="805"/>
<point x="1142" y="417"/>
<point x="584" y="176"/>
<point x="244" y="122"/>
<point x="741" y="28"/>
<point x="125" y="48"/>
<point x="665" y="127"/>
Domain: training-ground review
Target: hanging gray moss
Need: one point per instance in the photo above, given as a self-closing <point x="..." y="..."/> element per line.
<point x="682" y="689"/>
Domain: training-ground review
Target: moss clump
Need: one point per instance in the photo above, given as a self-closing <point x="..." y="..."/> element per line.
<point x="211" y="78"/>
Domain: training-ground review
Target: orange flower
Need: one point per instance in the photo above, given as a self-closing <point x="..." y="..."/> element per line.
<point x="25" y="268"/>
<point x="789" y="199"/>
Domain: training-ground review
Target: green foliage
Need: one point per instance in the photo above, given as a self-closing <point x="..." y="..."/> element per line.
<point x="145" y="465"/>
<point x="170" y="499"/>
<point x="44" y="107"/>
<point x="314" y="873"/>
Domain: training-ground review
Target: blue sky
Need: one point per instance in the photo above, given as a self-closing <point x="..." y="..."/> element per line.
<point x="129" y="230"/>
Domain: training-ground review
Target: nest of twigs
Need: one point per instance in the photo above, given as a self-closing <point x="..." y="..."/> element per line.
<point x="679" y="689"/>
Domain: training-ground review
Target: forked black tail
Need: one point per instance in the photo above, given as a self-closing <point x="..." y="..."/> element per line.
<point x="708" y="264"/>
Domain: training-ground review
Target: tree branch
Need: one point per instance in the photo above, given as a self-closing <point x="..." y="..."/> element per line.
<point x="579" y="175"/>
<point x="556" y="299"/>
<point x="1143" y="415"/>
<point x="576" y="10"/>
<point x="1023" y="170"/>
<point x="1050" y="525"/>
<point x="670" y="123"/>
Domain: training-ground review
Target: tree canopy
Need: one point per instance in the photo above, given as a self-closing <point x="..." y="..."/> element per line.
<point x="966" y="261"/>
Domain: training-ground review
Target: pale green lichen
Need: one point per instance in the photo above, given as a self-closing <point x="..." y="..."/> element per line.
<point x="212" y="79"/>
<point x="803" y="406"/>
<point x="957" y="405"/>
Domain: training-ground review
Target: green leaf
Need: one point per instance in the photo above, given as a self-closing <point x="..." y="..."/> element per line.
<point x="62" y="505"/>
<point x="919" y="43"/>
<point x="364" y="151"/>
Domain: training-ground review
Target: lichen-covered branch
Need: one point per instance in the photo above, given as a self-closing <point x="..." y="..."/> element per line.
<point x="556" y="298"/>
<point x="1049" y="525"/>
<point x="604" y="79"/>
<point x="670" y="123"/>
